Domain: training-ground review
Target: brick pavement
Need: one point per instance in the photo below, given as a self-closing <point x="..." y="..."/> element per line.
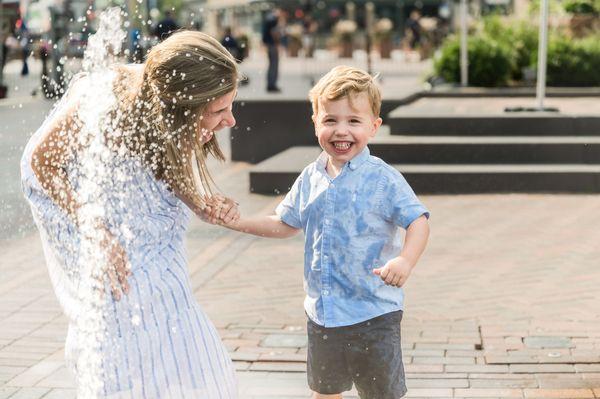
<point x="503" y="304"/>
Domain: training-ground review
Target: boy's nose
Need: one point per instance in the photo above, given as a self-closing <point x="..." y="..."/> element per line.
<point x="341" y="130"/>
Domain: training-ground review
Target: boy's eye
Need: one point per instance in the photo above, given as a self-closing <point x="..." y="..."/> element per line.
<point x="329" y="120"/>
<point x="354" y="121"/>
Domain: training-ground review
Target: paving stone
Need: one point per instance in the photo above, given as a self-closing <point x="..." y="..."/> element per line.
<point x="278" y="366"/>
<point x="282" y="357"/>
<point x="443" y="360"/>
<point x="429" y="393"/>
<point x="30" y="393"/>
<point x="424" y="368"/>
<point x="559" y="393"/>
<point x="61" y="394"/>
<point x="541" y="368"/>
<point x="437" y="383"/>
<point x="502" y="383"/>
<point x="488" y="393"/>
<point x="244" y="356"/>
<point x="33" y="375"/>
<point x="557" y="383"/>
<point x="284" y="341"/>
<point x="476" y="368"/>
<point x="587" y="367"/>
<point x="548" y="342"/>
<point x="5" y="393"/>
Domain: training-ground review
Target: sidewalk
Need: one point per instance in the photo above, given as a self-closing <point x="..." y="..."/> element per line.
<point x="504" y="304"/>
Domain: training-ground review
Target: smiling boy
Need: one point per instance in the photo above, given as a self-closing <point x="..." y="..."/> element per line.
<point x="349" y="205"/>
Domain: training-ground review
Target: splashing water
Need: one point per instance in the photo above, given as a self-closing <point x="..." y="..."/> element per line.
<point x="95" y="102"/>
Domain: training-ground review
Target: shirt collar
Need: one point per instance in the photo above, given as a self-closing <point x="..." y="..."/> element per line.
<point x="353" y="164"/>
<point x="358" y="160"/>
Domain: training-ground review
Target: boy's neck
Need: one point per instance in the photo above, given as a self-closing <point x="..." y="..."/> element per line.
<point x="332" y="169"/>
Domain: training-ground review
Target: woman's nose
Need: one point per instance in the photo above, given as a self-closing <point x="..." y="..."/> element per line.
<point x="229" y="120"/>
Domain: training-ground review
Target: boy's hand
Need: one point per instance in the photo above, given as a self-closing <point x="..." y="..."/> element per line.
<point x="395" y="272"/>
<point x="221" y="210"/>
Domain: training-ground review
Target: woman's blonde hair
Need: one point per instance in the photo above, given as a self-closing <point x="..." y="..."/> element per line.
<point x="344" y="81"/>
<point x="161" y="122"/>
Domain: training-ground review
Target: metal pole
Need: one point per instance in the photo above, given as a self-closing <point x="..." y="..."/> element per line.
<point x="370" y="16"/>
<point x="2" y="40"/>
<point x="542" y="55"/>
<point x="464" y="60"/>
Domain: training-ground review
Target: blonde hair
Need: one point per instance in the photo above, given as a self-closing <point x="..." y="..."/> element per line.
<point x="161" y="122"/>
<point x="344" y="81"/>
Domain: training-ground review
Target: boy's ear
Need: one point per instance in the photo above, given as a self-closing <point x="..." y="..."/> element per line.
<point x="376" y="124"/>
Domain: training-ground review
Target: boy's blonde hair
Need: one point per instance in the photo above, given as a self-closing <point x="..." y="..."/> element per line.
<point x="344" y="81"/>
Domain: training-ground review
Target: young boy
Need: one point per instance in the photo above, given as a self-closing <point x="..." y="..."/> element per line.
<point x="349" y="205"/>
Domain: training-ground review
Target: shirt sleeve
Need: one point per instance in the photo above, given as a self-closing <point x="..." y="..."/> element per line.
<point x="402" y="204"/>
<point x="288" y="210"/>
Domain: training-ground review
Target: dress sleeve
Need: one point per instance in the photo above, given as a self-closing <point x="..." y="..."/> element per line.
<point x="401" y="203"/>
<point x="288" y="210"/>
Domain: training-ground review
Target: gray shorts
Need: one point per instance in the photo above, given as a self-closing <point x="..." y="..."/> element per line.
<point x="367" y="354"/>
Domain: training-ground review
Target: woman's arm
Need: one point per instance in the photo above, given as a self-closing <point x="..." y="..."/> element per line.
<point x="49" y="161"/>
<point x="51" y="156"/>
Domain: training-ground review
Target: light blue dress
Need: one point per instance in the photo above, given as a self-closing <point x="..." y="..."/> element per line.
<point x="157" y="342"/>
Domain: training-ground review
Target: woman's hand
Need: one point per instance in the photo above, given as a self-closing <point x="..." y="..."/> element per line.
<point x="221" y="210"/>
<point x="117" y="267"/>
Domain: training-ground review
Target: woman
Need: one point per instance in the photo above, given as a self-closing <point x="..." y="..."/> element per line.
<point x="112" y="177"/>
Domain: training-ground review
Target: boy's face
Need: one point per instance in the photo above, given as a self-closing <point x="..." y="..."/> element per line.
<point x="344" y="128"/>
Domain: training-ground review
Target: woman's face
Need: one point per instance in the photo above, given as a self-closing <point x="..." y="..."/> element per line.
<point x="217" y="116"/>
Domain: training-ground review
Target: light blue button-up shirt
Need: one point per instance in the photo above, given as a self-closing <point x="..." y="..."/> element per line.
<point x="350" y="225"/>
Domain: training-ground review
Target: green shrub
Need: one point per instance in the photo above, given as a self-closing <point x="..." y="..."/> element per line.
<point x="582" y="6"/>
<point x="489" y="61"/>
<point x="573" y="62"/>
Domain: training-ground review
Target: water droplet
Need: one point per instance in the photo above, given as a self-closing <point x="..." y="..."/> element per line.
<point x="135" y="320"/>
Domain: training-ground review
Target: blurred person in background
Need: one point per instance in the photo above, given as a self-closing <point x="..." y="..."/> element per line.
<point x="271" y="38"/>
<point x="166" y="26"/>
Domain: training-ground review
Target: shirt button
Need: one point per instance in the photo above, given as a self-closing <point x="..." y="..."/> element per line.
<point x="325" y="257"/>
<point x="325" y="292"/>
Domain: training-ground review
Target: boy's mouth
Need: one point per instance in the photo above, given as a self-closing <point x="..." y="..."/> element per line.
<point x="341" y="147"/>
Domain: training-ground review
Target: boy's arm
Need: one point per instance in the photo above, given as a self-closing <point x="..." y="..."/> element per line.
<point x="397" y="270"/>
<point x="269" y="226"/>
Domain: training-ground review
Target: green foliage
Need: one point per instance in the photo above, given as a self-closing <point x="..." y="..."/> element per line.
<point x="170" y="5"/>
<point x="555" y="7"/>
<point x="582" y="6"/>
<point x="489" y="62"/>
<point x="520" y="38"/>
<point x="498" y="47"/>
<point x="573" y="62"/>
